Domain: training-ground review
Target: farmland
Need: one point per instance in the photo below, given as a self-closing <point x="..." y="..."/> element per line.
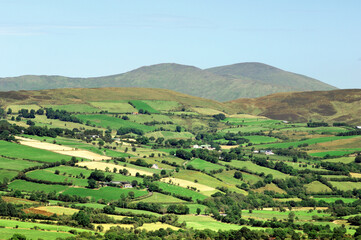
<point x="174" y="165"/>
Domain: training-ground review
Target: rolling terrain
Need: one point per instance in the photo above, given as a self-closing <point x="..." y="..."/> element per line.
<point x="329" y="106"/>
<point x="243" y="80"/>
<point x="78" y="163"/>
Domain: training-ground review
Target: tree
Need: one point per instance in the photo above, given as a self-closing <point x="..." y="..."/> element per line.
<point x="109" y="178"/>
<point x="198" y="211"/>
<point x="82" y="218"/>
<point x="100" y="228"/>
<point x="291" y="217"/>
<point x="178" y="128"/>
<point x="238" y="175"/>
<point x="163" y="172"/>
<point x="9" y="111"/>
<point x="358" y="159"/>
<point x="92" y="183"/>
<point x="131" y="194"/>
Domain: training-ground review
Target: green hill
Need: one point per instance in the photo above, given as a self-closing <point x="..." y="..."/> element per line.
<point x="222" y="83"/>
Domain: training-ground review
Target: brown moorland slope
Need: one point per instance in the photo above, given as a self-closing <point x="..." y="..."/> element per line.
<point x="330" y="106"/>
<point x="86" y="95"/>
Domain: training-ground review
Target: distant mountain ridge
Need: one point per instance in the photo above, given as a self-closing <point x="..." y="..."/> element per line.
<point x="242" y="80"/>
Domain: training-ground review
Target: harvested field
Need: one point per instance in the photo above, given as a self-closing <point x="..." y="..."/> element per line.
<point x="185" y="184"/>
<point x="355" y="175"/>
<point x="18" y="200"/>
<point x="103" y="166"/>
<point x="62" y="149"/>
<point x="57" y="210"/>
<point x="38" y="211"/>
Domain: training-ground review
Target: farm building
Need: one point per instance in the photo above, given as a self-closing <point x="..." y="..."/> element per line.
<point x="155" y="166"/>
<point x="117" y="183"/>
<point x="208" y="147"/>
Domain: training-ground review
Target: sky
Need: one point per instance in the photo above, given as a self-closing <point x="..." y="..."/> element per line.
<point x="88" y="38"/>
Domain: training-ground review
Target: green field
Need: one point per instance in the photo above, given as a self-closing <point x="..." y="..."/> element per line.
<point x="263" y="214"/>
<point x="107" y="193"/>
<point x="162" y="105"/>
<point x="30" y="186"/>
<point x="341" y="160"/>
<point x="206" y="222"/>
<point x="16" y="164"/>
<point x="16" y="108"/>
<point x="8" y="174"/>
<point x="48" y="175"/>
<point x="204" y="165"/>
<point x="7" y="233"/>
<point x="161" y="198"/>
<point x="113" y="122"/>
<point x="142" y="105"/>
<point x="181" y="191"/>
<point x="114" y="106"/>
<point x="346" y="186"/>
<point x="14" y="150"/>
<point x="331" y="153"/>
<point x="254" y="168"/>
<point x="333" y="199"/>
<point x="74" y="108"/>
<point x="260" y="139"/>
<point x="308" y="141"/>
<point x="317" y="187"/>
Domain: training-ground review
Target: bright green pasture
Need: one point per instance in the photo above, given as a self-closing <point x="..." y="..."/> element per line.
<point x="245" y="129"/>
<point x="119" y="210"/>
<point x="341" y="160"/>
<point x="345" y="186"/>
<point x="206" y="222"/>
<point x="260" y="139"/>
<point x="47" y="175"/>
<point x="333" y="199"/>
<point x="162" y="105"/>
<point x="317" y="187"/>
<point x="16" y="108"/>
<point x="15" y="150"/>
<point x="318" y="130"/>
<point x="114" y="106"/>
<point x="227" y="176"/>
<point x="113" y="122"/>
<point x="181" y="191"/>
<point x="107" y="193"/>
<point x="31" y="186"/>
<point x="170" y="135"/>
<point x="142" y="105"/>
<point x="81" y="108"/>
<point x="16" y="164"/>
<point x="204" y="165"/>
<point x="250" y="121"/>
<point x="7" y="233"/>
<point x="142" y="118"/>
<point x="254" y="168"/>
<point x="42" y="121"/>
<point x="161" y="198"/>
<point x="263" y="214"/>
<point x="331" y="153"/>
<point x="308" y="141"/>
<point x="8" y="174"/>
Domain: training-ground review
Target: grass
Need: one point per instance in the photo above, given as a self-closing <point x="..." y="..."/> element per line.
<point x="345" y="186"/>
<point x="204" y="165"/>
<point x="317" y="187"/>
<point x="345" y="160"/>
<point x="167" y="135"/>
<point x="106" y="121"/>
<point x="270" y="187"/>
<point x="7" y="233"/>
<point x="161" y="198"/>
<point x="16" y="164"/>
<point x="266" y="215"/>
<point x="333" y="199"/>
<point x="8" y="174"/>
<point x="74" y="108"/>
<point x="181" y="191"/>
<point x="254" y="168"/>
<point x="114" y="106"/>
<point x="47" y="175"/>
<point x="308" y="141"/>
<point x="142" y="105"/>
<point x="330" y="153"/>
<point x="15" y="108"/>
<point x="59" y="210"/>
<point x="15" y="150"/>
<point x="206" y="222"/>
<point x="30" y="186"/>
<point x="260" y="139"/>
<point x="107" y="193"/>
<point x="162" y="105"/>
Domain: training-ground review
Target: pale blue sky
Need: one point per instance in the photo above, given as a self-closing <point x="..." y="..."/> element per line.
<point x="320" y="39"/>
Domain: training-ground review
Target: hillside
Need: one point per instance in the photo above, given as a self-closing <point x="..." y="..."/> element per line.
<point x="336" y="106"/>
<point x="244" y="80"/>
<point x="86" y="95"/>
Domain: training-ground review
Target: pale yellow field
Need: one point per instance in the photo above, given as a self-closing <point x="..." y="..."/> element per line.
<point x="228" y="147"/>
<point x="107" y="226"/>
<point x="58" y="210"/>
<point x="146" y="226"/>
<point x="206" y="111"/>
<point x="355" y="175"/>
<point x="184" y="183"/>
<point x="62" y="149"/>
<point x="103" y="166"/>
<point x="245" y="116"/>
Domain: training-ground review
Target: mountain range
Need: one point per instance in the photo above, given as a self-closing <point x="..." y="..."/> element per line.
<point x="224" y="83"/>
